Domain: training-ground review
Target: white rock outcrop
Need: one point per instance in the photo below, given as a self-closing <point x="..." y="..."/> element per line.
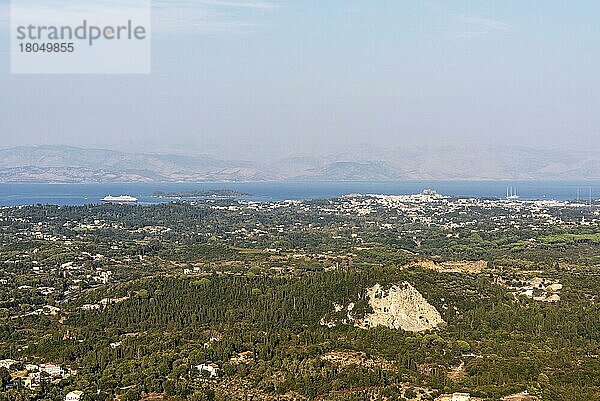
<point x="400" y="307"/>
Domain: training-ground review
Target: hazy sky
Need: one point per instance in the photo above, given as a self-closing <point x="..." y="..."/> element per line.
<point x="319" y="75"/>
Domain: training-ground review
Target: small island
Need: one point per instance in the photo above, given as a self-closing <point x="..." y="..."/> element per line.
<point x="213" y="193"/>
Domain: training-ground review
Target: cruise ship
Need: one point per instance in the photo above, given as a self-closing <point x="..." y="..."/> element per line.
<point x="119" y="199"/>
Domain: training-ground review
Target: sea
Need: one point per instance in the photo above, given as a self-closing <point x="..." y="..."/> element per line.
<point x="83" y="194"/>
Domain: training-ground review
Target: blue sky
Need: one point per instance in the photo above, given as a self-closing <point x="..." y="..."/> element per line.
<point x="279" y="77"/>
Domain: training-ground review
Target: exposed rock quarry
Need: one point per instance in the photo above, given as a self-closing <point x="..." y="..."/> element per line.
<point x="464" y="266"/>
<point x="400" y="307"/>
<point x="537" y="288"/>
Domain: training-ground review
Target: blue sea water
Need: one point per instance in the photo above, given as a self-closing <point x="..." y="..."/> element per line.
<point x="80" y="194"/>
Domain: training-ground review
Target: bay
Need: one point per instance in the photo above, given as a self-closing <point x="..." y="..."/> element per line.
<point x="81" y="194"/>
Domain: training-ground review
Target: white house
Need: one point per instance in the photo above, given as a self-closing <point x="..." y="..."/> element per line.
<point x="211" y="368"/>
<point x="461" y="397"/>
<point x="74" y="396"/>
<point x="52" y="369"/>
<point x="30" y="367"/>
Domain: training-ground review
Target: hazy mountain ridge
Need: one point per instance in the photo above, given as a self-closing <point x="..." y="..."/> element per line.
<point x="448" y="162"/>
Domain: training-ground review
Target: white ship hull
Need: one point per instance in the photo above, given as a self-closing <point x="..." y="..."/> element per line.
<point x="119" y="199"/>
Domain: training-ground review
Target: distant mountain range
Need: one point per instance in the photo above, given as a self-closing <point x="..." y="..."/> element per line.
<point x="449" y="162"/>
